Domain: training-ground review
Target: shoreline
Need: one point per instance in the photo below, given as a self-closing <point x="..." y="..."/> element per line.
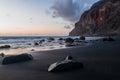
<point x="26" y="44"/>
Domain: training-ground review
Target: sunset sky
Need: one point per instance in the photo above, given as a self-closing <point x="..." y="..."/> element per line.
<point x="40" y="17"/>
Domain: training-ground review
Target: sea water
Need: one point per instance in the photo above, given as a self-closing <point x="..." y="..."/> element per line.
<point x="25" y="44"/>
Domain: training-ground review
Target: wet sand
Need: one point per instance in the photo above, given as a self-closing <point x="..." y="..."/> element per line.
<point x="101" y="62"/>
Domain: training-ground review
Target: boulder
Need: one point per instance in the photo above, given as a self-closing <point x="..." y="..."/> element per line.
<point x="5" y="47"/>
<point x="50" y="39"/>
<point x="65" y="65"/>
<point x="82" y="37"/>
<point x="60" y="39"/>
<point x="36" y="43"/>
<point x="17" y="58"/>
<point x="69" y="40"/>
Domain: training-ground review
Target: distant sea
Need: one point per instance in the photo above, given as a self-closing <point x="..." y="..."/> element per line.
<point x="23" y="44"/>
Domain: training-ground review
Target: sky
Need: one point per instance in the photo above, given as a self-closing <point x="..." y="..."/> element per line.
<point x="40" y="17"/>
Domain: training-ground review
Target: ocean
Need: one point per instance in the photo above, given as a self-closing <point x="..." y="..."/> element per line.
<point x="26" y="44"/>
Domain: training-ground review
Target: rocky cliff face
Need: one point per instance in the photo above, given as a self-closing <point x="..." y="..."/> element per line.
<point x="101" y="19"/>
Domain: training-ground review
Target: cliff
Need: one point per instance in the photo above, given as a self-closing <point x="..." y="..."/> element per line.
<point x="102" y="18"/>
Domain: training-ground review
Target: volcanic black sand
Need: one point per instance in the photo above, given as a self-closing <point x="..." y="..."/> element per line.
<point x="101" y="62"/>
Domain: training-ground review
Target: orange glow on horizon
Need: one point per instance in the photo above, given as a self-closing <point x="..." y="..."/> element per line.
<point x="34" y="29"/>
<point x="42" y="31"/>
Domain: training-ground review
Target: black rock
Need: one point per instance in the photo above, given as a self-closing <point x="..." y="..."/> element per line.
<point x="82" y="38"/>
<point x="35" y="43"/>
<point x="69" y="40"/>
<point x="17" y="58"/>
<point x="50" y="39"/>
<point x="5" y="46"/>
<point x="66" y="65"/>
<point x="60" y="39"/>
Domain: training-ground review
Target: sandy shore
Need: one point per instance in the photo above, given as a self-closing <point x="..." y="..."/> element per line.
<point x="101" y="62"/>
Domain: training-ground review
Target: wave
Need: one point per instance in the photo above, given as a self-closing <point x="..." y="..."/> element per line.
<point x="21" y="43"/>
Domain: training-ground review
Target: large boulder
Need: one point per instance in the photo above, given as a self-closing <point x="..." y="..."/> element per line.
<point x="65" y="65"/>
<point x="17" y="58"/>
<point x="69" y="42"/>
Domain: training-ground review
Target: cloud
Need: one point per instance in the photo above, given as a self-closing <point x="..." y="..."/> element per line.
<point x="69" y="26"/>
<point x="66" y="9"/>
<point x="70" y="10"/>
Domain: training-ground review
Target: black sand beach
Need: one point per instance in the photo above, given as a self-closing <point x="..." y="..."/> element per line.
<point x="37" y="33"/>
<point x="101" y="62"/>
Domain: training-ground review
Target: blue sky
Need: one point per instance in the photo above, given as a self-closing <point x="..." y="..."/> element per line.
<point x="40" y="17"/>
